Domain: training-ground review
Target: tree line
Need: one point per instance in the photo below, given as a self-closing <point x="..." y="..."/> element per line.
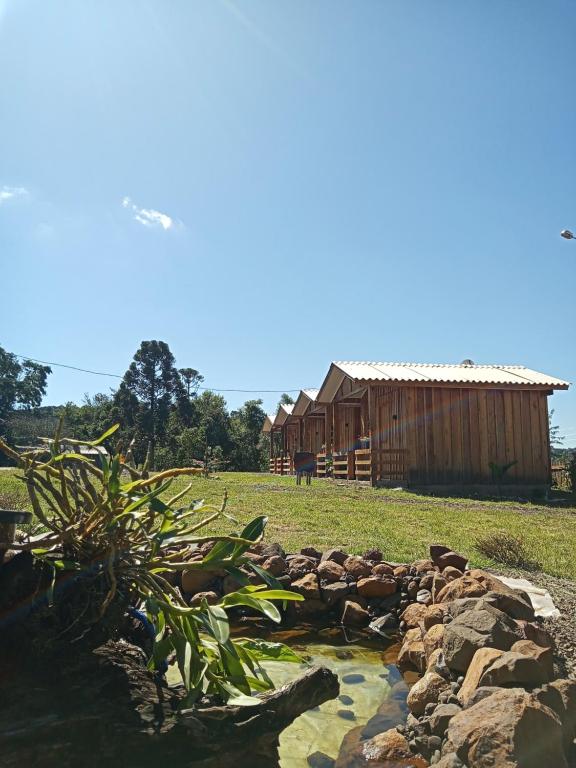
<point x="163" y="416"/>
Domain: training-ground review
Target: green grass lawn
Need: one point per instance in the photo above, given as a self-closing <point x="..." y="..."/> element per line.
<point x="400" y="523"/>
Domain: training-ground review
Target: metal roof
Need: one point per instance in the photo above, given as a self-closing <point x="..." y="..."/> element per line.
<point x="268" y="421"/>
<point x="283" y="412"/>
<point x="304" y="399"/>
<point x="467" y="374"/>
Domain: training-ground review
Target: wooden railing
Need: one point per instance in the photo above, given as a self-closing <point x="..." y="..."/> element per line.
<point x="321" y="465"/>
<point x="343" y="465"/>
<point x="391" y="465"/>
<point x="363" y="463"/>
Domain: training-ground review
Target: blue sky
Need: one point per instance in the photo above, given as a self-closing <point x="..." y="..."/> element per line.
<point x="268" y="185"/>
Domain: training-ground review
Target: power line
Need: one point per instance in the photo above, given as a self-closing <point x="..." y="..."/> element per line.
<point x="117" y="376"/>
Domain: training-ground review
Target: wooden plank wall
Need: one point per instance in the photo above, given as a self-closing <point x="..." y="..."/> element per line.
<point x="452" y="434"/>
<point x="314" y="430"/>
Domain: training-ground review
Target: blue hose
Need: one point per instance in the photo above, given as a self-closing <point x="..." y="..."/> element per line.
<point x="150" y="630"/>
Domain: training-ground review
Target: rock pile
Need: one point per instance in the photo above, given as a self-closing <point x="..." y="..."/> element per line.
<point x="487" y="695"/>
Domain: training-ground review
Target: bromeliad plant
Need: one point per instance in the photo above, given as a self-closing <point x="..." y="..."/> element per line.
<point x="112" y="525"/>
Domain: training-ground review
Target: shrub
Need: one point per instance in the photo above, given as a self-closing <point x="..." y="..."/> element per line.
<point x="114" y="531"/>
<point x="506" y="549"/>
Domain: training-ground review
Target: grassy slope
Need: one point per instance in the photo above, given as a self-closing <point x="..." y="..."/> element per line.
<point x="400" y="523"/>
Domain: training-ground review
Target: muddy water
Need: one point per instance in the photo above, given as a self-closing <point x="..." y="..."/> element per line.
<point x="372" y="698"/>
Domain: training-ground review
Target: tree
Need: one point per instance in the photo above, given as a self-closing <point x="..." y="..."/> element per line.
<point x="191" y="380"/>
<point x="556" y="439"/>
<point x="150" y="387"/>
<point x="246" y="432"/>
<point x="285" y="399"/>
<point x="21" y="384"/>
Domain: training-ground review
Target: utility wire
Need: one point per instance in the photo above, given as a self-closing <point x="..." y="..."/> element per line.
<point x="117" y="376"/>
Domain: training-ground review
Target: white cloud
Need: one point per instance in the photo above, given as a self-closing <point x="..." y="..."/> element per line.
<point x="11" y="193"/>
<point x="148" y="217"/>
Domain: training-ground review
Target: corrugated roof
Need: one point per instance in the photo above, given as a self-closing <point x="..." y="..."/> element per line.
<point x="435" y="373"/>
<point x="268" y="421"/>
<point x="448" y="373"/>
<point x="283" y="412"/>
<point x="303" y="401"/>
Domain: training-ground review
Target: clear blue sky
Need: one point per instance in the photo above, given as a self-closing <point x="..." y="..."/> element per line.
<point x="268" y="185"/>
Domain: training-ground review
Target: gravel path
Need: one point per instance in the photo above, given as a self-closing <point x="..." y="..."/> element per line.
<point x="563" y="630"/>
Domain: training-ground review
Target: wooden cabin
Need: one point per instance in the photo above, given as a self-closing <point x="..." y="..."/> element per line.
<point x="300" y="427"/>
<point x="438" y="426"/>
<point x="284" y="437"/>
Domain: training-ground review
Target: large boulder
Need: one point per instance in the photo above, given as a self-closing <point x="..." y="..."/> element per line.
<point x="476" y="629"/>
<point x="560" y="696"/>
<point x="354" y="615"/>
<point x="509" y="729"/>
<point x="194" y="580"/>
<point x="509" y="602"/>
<point x="481" y="661"/>
<point x="414" y="614"/>
<point x="300" y="565"/>
<point x="543" y="656"/>
<point x="275" y="565"/>
<point x="513" y="669"/>
<point x="426" y="691"/>
<point x="389" y="747"/>
<point x="440" y="718"/>
<point x="465" y="586"/>
<point x="307" y="586"/>
<point x="412" y="651"/>
<point x="376" y="586"/>
<point x="433" y="639"/>
<point x="493" y="584"/>
<point x="332" y="593"/>
<point x="357" y="567"/>
<point x="434" y="614"/>
<point x="336" y="555"/>
<point x="330" y="571"/>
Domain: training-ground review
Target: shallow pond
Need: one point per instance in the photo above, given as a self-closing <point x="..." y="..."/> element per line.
<point x="372" y="697"/>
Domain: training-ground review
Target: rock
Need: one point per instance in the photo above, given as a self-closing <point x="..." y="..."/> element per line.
<point x="458" y="606"/>
<point x="481" y="693"/>
<point x="472" y="630"/>
<point x="354" y="615"/>
<point x="438" y="584"/>
<point x="276" y="565"/>
<point x="390" y="746"/>
<point x="481" y="661"/>
<point x="376" y="586"/>
<point x="299" y="566"/>
<point x="253" y="557"/>
<point x="451" y="560"/>
<point x="441" y="716"/>
<point x="267" y="550"/>
<point x="357" y="567"/>
<point x="307" y="586"/>
<point x="412" y="651"/>
<point x="196" y="580"/>
<point x="423" y="566"/>
<point x="384" y="624"/>
<point x="509" y="603"/>
<point x="353" y="679"/>
<point x="494" y="584"/>
<point x="460" y="588"/>
<point x="509" y="729"/>
<point x="330" y="571"/>
<point x="424" y="597"/>
<point x="437" y="550"/>
<point x="211" y="598"/>
<point x="435" y="659"/>
<point x="543" y="656"/>
<point x="383" y="569"/>
<point x="414" y="614"/>
<point x="332" y="593"/>
<point x="391" y="602"/>
<point x="514" y="670"/>
<point x="450" y="573"/>
<point x="531" y="630"/>
<point x="320" y="760"/>
<point x="433" y="639"/>
<point x="425" y="691"/>
<point x="401" y="570"/>
<point x="450" y="761"/>
<point x="434" y="615"/>
<point x="311" y="552"/>
<point x="560" y="696"/>
<point x="336" y="555"/>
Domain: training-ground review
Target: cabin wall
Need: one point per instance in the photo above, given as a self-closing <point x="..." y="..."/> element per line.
<point x="452" y="434"/>
<point x="292" y="438"/>
<point x="314" y="430"/>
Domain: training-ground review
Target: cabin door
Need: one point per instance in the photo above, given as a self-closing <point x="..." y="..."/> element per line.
<point x="391" y="454"/>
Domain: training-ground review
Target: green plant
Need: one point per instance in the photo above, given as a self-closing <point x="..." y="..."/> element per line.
<point x="499" y="472"/>
<point x="506" y="549"/>
<point x="111" y="524"/>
